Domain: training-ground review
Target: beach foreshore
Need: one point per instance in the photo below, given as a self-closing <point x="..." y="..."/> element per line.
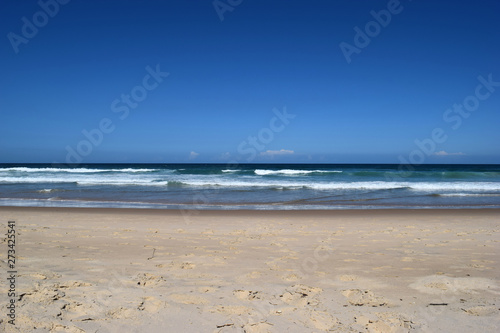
<point x="146" y="270"/>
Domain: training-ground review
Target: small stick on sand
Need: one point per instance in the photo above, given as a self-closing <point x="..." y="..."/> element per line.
<point x="153" y="255"/>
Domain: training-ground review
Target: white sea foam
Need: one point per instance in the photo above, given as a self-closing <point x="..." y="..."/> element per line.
<point x="93" y="178"/>
<point x="470" y="195"/>
<point x="52" y="202"/>
<point x="118" y="182"/>
<point x="373" y="185"/>
<point x="73" y="170"/>
<point x="29" y="180"/>
<point x="264" y="172"/>
<point x="46" y="190"/>
<point x="144" y="178"/>
<point x="137" y="170"/>
<point x="454" y="186"/>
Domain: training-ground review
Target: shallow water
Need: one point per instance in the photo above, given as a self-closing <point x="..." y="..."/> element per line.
<point x="251" y="186"/>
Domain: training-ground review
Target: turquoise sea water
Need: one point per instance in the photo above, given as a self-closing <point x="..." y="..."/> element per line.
<point x="251" y="186"/>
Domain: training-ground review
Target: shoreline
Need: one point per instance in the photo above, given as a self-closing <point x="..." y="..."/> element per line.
<point x="211" y="212"/>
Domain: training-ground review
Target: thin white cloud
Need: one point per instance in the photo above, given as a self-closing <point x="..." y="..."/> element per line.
<point x="193" y="155"/>
<point x="277" y="152"/>
<point x="443" y="153"/>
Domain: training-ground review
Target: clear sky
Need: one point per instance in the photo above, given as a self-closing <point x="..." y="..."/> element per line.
<point x="250" y="81"/>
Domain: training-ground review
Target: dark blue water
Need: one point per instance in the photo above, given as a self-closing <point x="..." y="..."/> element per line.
<point x="251" y="186"/>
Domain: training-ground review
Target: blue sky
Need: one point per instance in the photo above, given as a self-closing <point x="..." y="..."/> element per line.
<point x="268" y="83"/>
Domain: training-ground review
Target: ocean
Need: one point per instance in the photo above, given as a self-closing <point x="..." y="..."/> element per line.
<point x="251" y="186"/>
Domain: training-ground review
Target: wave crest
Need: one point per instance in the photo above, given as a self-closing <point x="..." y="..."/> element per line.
<point x="265" y="172"/>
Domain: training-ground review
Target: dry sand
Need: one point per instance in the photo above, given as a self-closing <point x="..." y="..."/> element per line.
<point x="125" y="270"/>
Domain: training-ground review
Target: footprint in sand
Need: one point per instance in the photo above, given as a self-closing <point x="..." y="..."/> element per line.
<point x="290" y="277"/>
<point x="301" y="295"/>
<point x="149" y="280"/>
<point x="232" y="310"/>
<point x="73" y="284"/>
<point x="481" y="310"/>
<point x="121" y="313"/>
<point x="273" y="264"/>
<point x="360" y="297"/>
<point x="76" y="311"/>
<point x="254" y="275"/>
<point x="247" y="295"/>
<point x="43" y="276"/>
<point x="66" y="329"/>
<point x="183" y="265"/>
<point x="386" y="322"/>
<point x="438" y="284"/>
<point x="45" y="295"/>
<point x="151" y="305"/>
<point x="348" y="277"/>
<point x="261" y="327"/>
<point x="322" y="320"/>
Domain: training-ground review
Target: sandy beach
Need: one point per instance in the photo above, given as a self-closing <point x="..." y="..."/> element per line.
<point x="132" y="270"/>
